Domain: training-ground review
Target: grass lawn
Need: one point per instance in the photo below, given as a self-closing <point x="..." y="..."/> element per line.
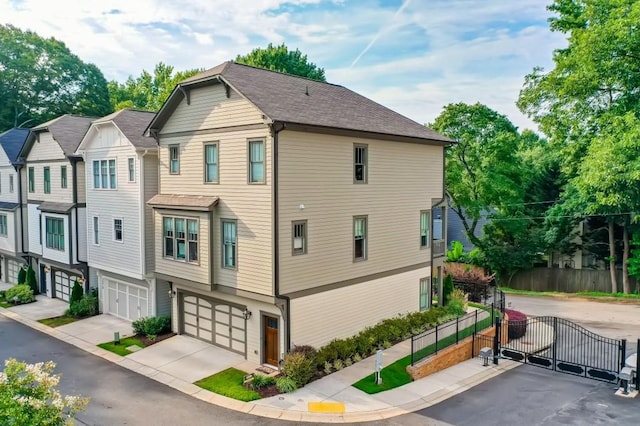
<point x="395" y="375"/>
<point x="58" y="321"/>
<point x="121" y="349"/>
<point x="229" y="383"/>
<point x="4" y="304"/>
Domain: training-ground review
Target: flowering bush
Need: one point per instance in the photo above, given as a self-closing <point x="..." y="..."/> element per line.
<point x="28" y="396"/>
<point x="517" y="323"/>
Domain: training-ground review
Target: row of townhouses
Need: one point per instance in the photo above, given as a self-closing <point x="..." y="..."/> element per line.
<point x="260" y="210"/>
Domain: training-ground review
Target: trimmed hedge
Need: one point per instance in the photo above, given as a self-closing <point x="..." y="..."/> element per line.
<point x="152" y="326"/>
<point x="19" y="294"/>
<point x="517" y="324"/>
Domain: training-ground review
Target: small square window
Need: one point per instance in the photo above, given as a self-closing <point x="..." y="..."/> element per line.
<point x="299" y="237"/>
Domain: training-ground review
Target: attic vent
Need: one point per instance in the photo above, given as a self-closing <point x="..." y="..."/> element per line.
<point x="306" y="92"/>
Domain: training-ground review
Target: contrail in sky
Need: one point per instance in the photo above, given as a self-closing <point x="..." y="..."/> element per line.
<point x="380" y="33"/>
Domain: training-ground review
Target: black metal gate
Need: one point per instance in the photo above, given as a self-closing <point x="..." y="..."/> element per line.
<point x="564" y="346"/>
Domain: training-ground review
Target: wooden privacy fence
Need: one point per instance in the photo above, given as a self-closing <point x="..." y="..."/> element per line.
<point x="567" y="280"/>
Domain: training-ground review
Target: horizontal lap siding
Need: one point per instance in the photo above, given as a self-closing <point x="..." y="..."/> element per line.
<point x="317" y="171"/>
<point x="57" y="194"/>
<point x="209" y="107"/>
<point x="340" y="313"/>
<point x="249" y="204"/>
<point x="150" y="164"/>
<point x="45" y="148"/>
<point x="8" y="242"/>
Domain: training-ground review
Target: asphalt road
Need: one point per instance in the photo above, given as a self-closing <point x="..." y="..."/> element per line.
<point x="532" y="396"/>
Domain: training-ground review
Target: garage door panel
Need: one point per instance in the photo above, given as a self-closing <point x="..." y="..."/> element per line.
<point x="127" y="300"/>
<point x="205" y="324"/>
<point x="223" y="341"/>
<point x="62" y="283"/>
<point x="190" y="329"/>
<point x="222" y="329"/>
<point x="237" y="346"/>
<point x="237" y="322"/>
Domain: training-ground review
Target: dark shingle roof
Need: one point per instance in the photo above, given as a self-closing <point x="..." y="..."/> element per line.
<point x="67" y="130"/>
<point x="132" y="123"/>
<point x="292" y="99"/>
<point x="6" y="206"/>
<point x="12" y="142"/>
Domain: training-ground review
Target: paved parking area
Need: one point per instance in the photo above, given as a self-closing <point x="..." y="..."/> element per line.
<point x="98" y="329"/>
<point x="44" y="307"/>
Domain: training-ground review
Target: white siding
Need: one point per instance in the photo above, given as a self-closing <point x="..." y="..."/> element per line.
<point x="210" y="108"/>
<point x="317" y="171"/>
<point x="82" y="234"/>
<point x="8" y="242"/>
<point x="150" y="183"/>
<point x="45" y="148"/>
<point x="5" y="194"/>
<point x="35" y="246"/>
<point x="340" y="313"/>
<point x="82" y="186"/>
<point x="61" y="256"/>
<point x="57" y="194"/>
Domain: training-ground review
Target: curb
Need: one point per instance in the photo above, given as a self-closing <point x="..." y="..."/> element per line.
<point x="262" y="410"/>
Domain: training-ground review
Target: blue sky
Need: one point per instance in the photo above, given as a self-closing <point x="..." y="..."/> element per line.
<point x="414" y="56"/>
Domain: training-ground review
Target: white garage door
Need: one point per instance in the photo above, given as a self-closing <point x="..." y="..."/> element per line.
<point x="214" y="321"/>
<point x="126" y="300"/>
<point x="13" y="269"/>
<point x="62" y="284"/>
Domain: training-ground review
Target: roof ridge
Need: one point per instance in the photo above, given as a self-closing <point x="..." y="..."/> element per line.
<point x="283" y="73"/>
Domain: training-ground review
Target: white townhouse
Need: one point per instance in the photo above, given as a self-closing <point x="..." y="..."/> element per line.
<point x="56" y="205"/>
<point x="122" y="175"/>
<point x="14" y="245"/>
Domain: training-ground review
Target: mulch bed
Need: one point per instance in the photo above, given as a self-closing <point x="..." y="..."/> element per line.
<point x="268" y="391"/>
<point x="149" y="342"/>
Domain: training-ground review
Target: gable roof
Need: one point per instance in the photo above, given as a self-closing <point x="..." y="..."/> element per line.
<point x="12" y="142"/>
<point x="301" y="101"/>
<point x="67" y="130"/>
<point x="132" y="124"/>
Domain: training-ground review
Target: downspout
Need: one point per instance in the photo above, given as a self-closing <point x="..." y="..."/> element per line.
<point x="276" y="243"/>
<point x="82" y="265"/>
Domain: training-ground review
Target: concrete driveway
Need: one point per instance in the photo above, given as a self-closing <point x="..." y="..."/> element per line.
<point x="98" y="329"/>
<point x="44" y="307"/>
<point x="187" y="358"/>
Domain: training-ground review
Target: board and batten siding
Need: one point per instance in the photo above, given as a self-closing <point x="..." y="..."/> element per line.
<point x="123" y="202"/>
<point x="317" y="171"/>
<point x="150" y="181"/>
<point x="249" y="204"/>
<point x="341" y="313"/>
<point x="210" y="108"/>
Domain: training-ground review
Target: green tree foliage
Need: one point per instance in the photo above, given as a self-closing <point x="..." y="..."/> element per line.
<point x="447" y="289"/>
<point x="148" y="91"/>
<point x="280" y="58"/>
<point x="31" y="280"/>
<point x="588" y="105"/>
<point x="76" y="293"/>
<point x="41" y="79"/>
<point x="22" y="275"/>
<point x="28" y="396"/>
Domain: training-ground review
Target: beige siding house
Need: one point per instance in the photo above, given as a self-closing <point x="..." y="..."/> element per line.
<point x="290" y="211"/>
<point x="56" y="206"/>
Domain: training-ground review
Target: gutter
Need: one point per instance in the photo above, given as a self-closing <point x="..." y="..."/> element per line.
<point x="286" y="311"/>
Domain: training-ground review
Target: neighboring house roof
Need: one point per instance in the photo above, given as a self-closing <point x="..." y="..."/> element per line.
<point x="300" y="101"/>
<point x="185" y="202"/>
<point x="132" y="123"/>
<point x="55" y="207"/>
<point x="12" y="142"/>
<point x="67" y="130"/>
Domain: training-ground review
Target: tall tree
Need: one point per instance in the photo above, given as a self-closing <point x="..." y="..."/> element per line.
<point x="148" y="91"/>
<point x="280" y="58"/>
<point x="596" y="79"/>
<point x="41" y="79"/>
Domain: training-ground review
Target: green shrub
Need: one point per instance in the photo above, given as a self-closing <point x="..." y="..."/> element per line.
<point x="285" y="385"/>
<point x="447" y="289"/>
<point x="338" y="364"/>
<point x="22" y="275"/>
<point x="19" y="294"/>
<point x="298" y="368"/>
<point x="76" y="293"/>
<point x="152" y="326"/>
<point x="307" y="350"/>
<point x="87" y="306"/>
<point x="458" y="302"/>
<point x="2" y="294"/>
<point x="31" y="280"/>
<point x="260" y="381"/>
<point x="327" y="367"/>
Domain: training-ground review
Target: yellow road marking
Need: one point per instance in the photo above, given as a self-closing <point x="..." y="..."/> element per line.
<point x="326" y="407"/>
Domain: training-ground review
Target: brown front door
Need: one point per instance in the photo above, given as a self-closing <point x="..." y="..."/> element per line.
<point x="270" y="340"/>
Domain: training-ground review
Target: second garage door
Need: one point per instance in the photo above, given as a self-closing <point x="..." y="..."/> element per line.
<point x="215" y="321"/>
<point x="62" y="284"/>
<point x="126" y="300"/>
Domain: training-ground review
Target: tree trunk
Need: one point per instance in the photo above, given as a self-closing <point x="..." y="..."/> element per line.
<point x="612" y="258"/>
<point x="626" y="288"/>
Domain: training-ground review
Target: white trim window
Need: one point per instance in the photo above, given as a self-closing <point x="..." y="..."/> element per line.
<point x="118" y="230"/>
<point x="104" y="174"/>
<point x="425" y="226"/>
<point x="299" y="237"/>
<point x="174" y="159"/>
<point x="256" y="162"/>
<point x="131" y="169"/>
<point x="3" y="225"/>
<point x="425" y="289"/>
<point x="63" y="176"/>
<point x="181" y="238"/>
<point x="54" y="229"/>
<point x="211" y="163"/>
<point x="359" y="238"/>
<point x="96" y="230"/>
<point x="360" y="160"/>
<point x="11" y="183"/>
<point x="229" y="244"/>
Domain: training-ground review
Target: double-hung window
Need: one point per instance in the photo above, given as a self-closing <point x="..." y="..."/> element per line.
<point x="10" y="183"/>
<point x="3" y="225"/>
<point x="96" y="230"/>
<point x="131" y="167"/>
<point x="63" y="176"/>
<point x="47" y="180"/>
<point x="54" y="228"/>
<point x="425" y="218"/>
<point x="360" y="163"/>
<point x="359" y="238"/>
<point x="256" y="162"/>
<point x="425" y="289"/>
<point x="174" y="159"/>
<point x="211" y="162"/>
<point x="181" y="236"/>
<point x="104" y="174"/>
<point x="229" y="244"/>
<point x="118" y="231"/>
<point x="299" y="234"/>
<point x="32" y="179"/>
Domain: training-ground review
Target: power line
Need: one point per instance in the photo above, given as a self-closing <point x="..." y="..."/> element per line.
<point x="578" y="216"/>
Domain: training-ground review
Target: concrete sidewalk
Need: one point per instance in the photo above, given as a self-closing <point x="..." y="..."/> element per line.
<point x="180" y="360"/>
